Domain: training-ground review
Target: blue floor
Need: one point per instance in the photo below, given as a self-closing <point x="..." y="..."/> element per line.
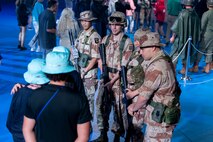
<point x="196" y="100"/>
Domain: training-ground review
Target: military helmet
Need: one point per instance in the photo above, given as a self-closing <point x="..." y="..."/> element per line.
<point x="188" y="2"/>
<point x="210" y="2"/>
<point x="117" y="18"/>
<point x="150" y="39"/>
<point x="138" y="34"/>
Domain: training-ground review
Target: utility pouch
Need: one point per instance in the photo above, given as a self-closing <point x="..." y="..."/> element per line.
<point x="84" y="60"/>
<point x="158" y="112"/>
<point x="172" y="115"/>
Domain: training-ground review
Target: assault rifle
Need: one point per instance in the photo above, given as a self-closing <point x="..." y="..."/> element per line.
<point x="126" y="104"/>
<point x="106" y="100"/>
<point x="74" y="51"/>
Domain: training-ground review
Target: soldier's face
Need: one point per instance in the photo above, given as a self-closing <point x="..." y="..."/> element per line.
<point x="86" y="24"/>
<point x="116" y="28"/>
<point x="146" y="53"/>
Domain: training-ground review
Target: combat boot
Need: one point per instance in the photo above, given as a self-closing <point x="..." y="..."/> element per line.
<point x="183" y="70"/>
<point x="207" y="68"/>
<point x="194" y="69"/>
<point x="102" y="138"/>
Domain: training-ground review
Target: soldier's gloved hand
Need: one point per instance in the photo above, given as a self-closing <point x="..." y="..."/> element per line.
<point x="16" y="87"/>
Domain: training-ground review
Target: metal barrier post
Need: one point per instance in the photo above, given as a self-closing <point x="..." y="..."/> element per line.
<point x="186" y="77"/>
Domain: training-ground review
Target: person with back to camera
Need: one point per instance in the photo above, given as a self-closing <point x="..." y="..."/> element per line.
<point x="22" y="17"/>
<point x="187" y="24"/>
<point x="47" y="28"/>
<point x="206" y="37"/>
<point x="54" y="112"/>
<point x="68" y="30"/>
<point x="159" y="93"/>
<point x="35" y="79"/>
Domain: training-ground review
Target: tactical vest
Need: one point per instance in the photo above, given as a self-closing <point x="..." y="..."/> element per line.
<point x="121" y="47"/>
<point x="84" y="58"/>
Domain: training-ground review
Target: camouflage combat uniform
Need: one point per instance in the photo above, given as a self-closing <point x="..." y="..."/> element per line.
<point x="115" y="62"/>
<point x="160" y="80"/>
<point x="159" y="91"/>
<point x="145" y="12"/>
<point x="135" y="76"/>
<point x="88" y="43"/>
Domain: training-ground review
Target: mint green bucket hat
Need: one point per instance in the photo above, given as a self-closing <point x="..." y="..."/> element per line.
<point x="34" y="74"/>
<point x="57" y="63"/>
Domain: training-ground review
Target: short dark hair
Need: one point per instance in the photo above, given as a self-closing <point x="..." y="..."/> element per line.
<point x="50" y="3"/>
<point x="57" y="77"/>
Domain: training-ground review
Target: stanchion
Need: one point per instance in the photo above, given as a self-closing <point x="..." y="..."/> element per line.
<point x="186" y="77"/>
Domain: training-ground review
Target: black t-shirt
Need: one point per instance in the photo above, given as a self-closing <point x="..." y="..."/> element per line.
<point x="58" y="121"/>
<point x="17" y="109"/>
<point x="75" y="82"/>
<point x="47" y="21"/>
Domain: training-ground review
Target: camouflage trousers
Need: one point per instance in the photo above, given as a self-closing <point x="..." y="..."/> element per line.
<point x="138" y="124"/>
<point x="120" y="122"/>
<point x="145" y="15"/>
<point x="90" y="88"/>
<point x="156" y="132"/>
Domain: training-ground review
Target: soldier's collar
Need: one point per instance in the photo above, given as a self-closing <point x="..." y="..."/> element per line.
<point x="88" y="32"/>
<point x="117" y="38"/>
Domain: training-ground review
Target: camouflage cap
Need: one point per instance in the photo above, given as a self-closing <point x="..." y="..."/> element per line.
<point x="150" y="39"/>
<point x="87" y="16"/>
<point x="210" y="2"/>
<point x="117" y="18"/>
<point x="138" y="34"/>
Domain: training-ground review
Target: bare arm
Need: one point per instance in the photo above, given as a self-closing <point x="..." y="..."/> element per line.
<point x="83" y="132"/>
<point x="29" y="134"/>
<point x="51" y="31"/>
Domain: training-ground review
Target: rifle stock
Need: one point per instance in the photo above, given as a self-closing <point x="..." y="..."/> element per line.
<point x="74" y="51"/>
<point x="126" y="103"/>
<point x="106" y="100"/>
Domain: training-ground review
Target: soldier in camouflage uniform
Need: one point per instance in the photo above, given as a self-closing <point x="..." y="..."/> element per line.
<point x="135" y="77"/>
<point x="116" y="56"/>
<point x="159" y="93"/>
<point x="145" y="12"/>
<point x="87" y="44"/>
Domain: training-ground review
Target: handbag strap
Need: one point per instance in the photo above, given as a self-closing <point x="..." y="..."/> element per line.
<point x="56" y="92"/>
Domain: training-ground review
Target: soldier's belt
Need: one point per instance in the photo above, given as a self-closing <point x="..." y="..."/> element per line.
<point x="112" y="70"/>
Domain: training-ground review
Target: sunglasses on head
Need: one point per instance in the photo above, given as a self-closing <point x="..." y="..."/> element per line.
<point x="115" y="19"/>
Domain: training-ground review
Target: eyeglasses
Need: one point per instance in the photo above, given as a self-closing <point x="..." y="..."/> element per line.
<point x="115" y="19"/>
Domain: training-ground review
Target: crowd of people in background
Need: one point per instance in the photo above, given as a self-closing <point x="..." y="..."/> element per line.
<point x="94" y="34"/>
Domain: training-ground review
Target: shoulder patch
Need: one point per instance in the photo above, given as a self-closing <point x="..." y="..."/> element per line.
<point x="97" y="40"/>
